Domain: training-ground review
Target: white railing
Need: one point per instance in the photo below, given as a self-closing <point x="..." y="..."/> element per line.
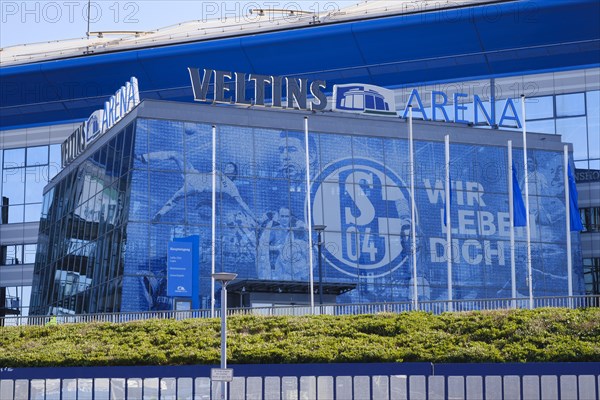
<point x="434" y="307"/>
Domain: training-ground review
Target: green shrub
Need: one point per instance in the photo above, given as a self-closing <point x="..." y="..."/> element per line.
<point x="492" y="336"/>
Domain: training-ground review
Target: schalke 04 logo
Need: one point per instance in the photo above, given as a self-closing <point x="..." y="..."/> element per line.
<point x="366" y="209"/>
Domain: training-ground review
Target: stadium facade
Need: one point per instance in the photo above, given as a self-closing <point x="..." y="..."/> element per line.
<point x="109" y="215"/>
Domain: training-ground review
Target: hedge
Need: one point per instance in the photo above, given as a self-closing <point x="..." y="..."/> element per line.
<point x="542" y="335"/>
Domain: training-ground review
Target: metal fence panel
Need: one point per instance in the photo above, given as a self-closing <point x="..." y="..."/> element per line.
<point x="168" y="389"/>
<point x="254" y="388"/>
<point x="436" y="390"/>
<point x="436" y="307"/>
<point x="493" y="388"/>
<point x="151" y="388"/>
<point x="289" y="388"/>
<point x="362" y="387"/>
<point x="456" y="388"/>
<point x="185" y="389"/>
<point x="549" y="387"/>
<point x="568" y="387"/>
<point x="343" y="387"/>
<point x="325" y="387"/>
<point x="381" y="387"/>
<point x="202" y="389"/>
<point x="531" y="387"/>
<point x="272" y="388"/>
<point x="237" y="388"/>
<point x="416" y="387"/>
<point x="512" y="387"/>
<point x="587" y="387"/>
<point x="308" y="387"/>
<point x="474" y="388"/>
<point x="101" y="389"/>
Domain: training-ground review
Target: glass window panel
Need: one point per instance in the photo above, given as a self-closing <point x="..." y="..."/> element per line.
<point x="14" y="158"/>
<point x="573" y="130"/>
<point x="270" y="146"/>
<point x="29" y="253"/>
<point x="55" y="161"/>
<point x="543" y="126"/>
<point x="35" y="180"/>
<point x="540" y="107"/>
<point x="231" y="159"/>
<point x="582" y="164"/>
<point x="127" y="149"/>
<point x="568" y="105"/>
<point x="593" y="108"/>
<point x="15" y="214"/>
<point x="37" y="155"/>
<point x="14" y="185"/>
<point x="33" y="212"/>
<point x="14" y="254"/>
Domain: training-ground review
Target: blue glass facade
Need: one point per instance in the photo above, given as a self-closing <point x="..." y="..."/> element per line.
<point x="160" y="189"/>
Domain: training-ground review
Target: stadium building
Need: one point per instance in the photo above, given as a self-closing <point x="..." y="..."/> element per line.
<point x="107" y="178"/>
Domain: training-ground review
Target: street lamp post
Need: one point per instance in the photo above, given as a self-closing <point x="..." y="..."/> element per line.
<point x="320" y="229"/>
<point x="224" y="278"/>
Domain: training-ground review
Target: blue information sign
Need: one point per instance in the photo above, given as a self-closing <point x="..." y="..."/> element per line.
<point x="179" y="269"/>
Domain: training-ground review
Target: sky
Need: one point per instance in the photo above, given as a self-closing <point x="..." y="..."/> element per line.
<point x="26" y="21"/>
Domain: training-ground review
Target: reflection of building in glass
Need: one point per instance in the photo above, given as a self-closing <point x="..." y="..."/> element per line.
<point x="103" y="249"/>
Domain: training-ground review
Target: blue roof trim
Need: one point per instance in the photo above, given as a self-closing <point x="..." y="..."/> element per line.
<point x="500" y="39"/>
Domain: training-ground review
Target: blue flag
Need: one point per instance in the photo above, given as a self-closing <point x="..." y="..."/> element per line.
<point x="574" y="215"/>
<point x="519" y="214"/>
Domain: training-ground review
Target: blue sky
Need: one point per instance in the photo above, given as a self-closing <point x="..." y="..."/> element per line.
<point x="39" y="21"/>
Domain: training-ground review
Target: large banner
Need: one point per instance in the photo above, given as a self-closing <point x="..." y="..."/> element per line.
<point x="359" y="190"/>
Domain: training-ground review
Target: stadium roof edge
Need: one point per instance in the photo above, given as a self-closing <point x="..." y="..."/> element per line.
<point x="509" y="38"/>
<point x="188" y="32"/>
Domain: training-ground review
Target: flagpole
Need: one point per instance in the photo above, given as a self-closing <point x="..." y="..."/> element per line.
<point x="309" y="219"/>
<point x="568" y="226"/>
<point x="528" y="225"/>
<point x="448" y="222"/>
<point x="213" y="247"/>
<point x="511" y="210"/>
<point x="412" y="208"/>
